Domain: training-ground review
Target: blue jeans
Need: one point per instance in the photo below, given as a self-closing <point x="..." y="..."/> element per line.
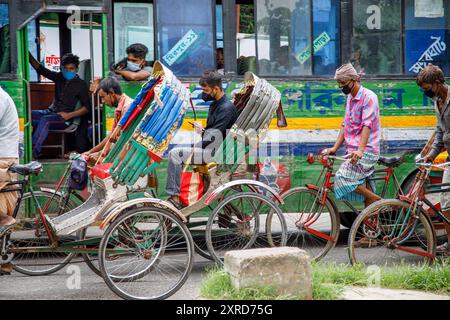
<point x="43" y="121"/>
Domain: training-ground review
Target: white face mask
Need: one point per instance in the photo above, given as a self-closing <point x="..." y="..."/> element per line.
<point x="133" y="66"/>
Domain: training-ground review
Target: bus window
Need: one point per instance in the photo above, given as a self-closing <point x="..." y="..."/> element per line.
<point x="5" y="43"/>
<point x="49" y="43"/>
<point x="185" y="36"/>
<point x="377" y="37"/>
<point x="81" y="43"/>
<point x="133" y="23"/>
<point x="33" y="48"/>
<point x="245" y="37"/>
<point x="326" y="23"/>
<point x="284" y="39"/>
<point x="219" y="24"/>
<point x="427" y="38"/>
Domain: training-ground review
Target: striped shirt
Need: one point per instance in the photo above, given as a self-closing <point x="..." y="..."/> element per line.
<point x="362" y="111"/>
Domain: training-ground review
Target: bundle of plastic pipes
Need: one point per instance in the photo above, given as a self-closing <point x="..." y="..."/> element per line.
<point x="148" y="126"/>
<point x="256" y="103"/>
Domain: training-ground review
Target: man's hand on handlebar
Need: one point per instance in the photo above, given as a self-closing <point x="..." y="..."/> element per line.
<point x="427" y="159"/>
<point x="355" y="156"/>
<point x="329" y="151"/>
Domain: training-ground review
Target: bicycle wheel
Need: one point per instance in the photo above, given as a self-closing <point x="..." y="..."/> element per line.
<point x="94" y="235"/>
<point x="142" y="258"/>
<point x="239" y="223"/>
<point x="91" y="259"/>
<point x="388" y="233"/>
<point x="199" y="220"/>
<point x="29" y="232"/>
<point x="197" y="228"/>
<point x="311" y="225"/>
<point x="434" y="198"/>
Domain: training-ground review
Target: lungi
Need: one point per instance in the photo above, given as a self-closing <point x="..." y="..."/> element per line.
<point x="351" y="176"/>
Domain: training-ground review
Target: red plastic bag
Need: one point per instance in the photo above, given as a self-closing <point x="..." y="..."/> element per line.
<point x="191" y="187"/>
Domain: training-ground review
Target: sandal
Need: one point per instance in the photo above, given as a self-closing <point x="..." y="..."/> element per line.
<point x="175" y="204"/>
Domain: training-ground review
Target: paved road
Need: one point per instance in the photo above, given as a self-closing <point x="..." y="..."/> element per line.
<point x="92" y="287"/>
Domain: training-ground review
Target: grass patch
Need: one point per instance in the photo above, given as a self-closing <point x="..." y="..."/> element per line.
<point x="217" y="285"/>
<point x="330" y="279"/>
<point x="432" y="278"/>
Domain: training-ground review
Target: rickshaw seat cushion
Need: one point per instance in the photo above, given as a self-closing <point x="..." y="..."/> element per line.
<point x="27" y="169"/>
<point x="154" y="156"/>
<point x="391" y="161"/>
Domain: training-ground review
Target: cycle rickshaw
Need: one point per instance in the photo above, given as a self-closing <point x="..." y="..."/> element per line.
<point x="135" y="245"/>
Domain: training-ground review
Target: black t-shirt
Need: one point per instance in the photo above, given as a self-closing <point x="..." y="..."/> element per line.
<point x="222" y="115"/>
<point x="67" y="92"/>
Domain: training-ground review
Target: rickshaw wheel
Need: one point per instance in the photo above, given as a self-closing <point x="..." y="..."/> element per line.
<point x="146" y="254"/>
<point x="29" y="232"/>
<point x="239" y="222"/>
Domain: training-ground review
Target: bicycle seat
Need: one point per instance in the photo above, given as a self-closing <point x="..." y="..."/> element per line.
<point x="27" y="169"/>
<point x="391" y="161"/>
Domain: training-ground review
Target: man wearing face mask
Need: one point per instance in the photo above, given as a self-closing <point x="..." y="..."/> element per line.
<point x="361" y="133"/>
<point x="222" y="115"/>
<point x="135" y="68"/>
<point x="432" y="82"/>
<point x="111" y="94"/>
<point x="70" y="90"/>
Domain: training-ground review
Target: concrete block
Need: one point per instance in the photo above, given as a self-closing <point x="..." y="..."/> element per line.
<point x="286" y="269"/>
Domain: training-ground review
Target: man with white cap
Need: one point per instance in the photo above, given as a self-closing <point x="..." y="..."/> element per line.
<point x="361" y="133"/>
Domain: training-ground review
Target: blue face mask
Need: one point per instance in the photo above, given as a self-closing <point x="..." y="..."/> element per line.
<point x="69" y="75"/>
<point x="133" y="66"/>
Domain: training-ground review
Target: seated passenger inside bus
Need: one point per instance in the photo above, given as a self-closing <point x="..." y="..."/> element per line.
<point x="111" y="94"/>
<point x="134" y="66"/>
<point x="71" y="101"/>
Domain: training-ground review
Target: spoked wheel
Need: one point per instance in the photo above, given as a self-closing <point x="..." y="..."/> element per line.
<point x="434" y="198"/>
<point x="91" y="259"/>
<point x="92" y="235"/>
<point x="388" y="233"/>
<point x="29" y="232"/>
<point x="199" y="220"/>
<point x="239" y="222"/>
<point x="146" y="254"/>
<point x="197" y="228"/>
<point x="311" y="225"/>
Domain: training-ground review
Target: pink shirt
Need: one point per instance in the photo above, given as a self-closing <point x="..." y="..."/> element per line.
<point x="362" y="111"/>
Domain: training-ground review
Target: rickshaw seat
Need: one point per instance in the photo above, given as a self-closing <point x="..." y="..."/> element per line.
<point x="27" y="169"/>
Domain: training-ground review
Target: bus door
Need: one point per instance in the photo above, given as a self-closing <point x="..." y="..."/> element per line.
<point x="48" y="37"/>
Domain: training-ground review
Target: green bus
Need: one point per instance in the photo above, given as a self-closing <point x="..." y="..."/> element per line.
<point x="295" y="44"/>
